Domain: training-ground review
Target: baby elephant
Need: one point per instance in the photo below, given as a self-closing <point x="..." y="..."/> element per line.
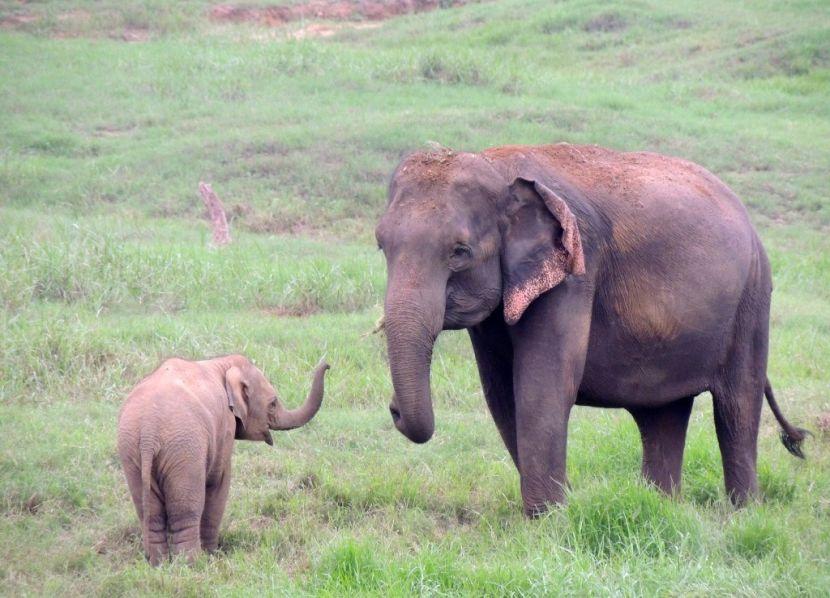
<point x="175" y="437"/>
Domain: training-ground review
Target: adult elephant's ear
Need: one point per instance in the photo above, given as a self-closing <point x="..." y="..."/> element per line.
<point x="236" y="389"/>
<point x="541" y="245"/>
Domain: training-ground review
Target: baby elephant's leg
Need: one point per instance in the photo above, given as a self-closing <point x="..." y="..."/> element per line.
<point x="184" y="502"/>
<point x="150" y="510"/>
<point x="216" y="496"/>
<point x="155" y="527"/>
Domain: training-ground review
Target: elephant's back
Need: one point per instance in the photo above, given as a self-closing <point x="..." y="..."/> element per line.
<point x="172" y="402"/>
<point x="636" y="182"/>
<point x="641" y="206"/>
<point x="631" y="189"/>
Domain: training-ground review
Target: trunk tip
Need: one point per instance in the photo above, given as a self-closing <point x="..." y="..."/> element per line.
<point x="418" y="434"/>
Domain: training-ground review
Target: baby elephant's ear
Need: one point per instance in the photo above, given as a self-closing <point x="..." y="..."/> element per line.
<point x="541" y="245"/>
<point x="236" y="389"/>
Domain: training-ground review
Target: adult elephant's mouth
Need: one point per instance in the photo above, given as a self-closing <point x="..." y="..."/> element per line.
<point x="396" y="414"/>
<point x="463" y="311"/>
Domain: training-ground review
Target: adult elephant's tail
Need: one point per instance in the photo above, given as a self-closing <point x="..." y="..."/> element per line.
<point x="791" y="436"/>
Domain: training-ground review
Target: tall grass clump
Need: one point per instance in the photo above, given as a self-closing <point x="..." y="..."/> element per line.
<point x="324" y="286"/>
<point x="89" y="266"/>
<point x="776" y="485"/>
<point x="434" y="67"/>
<point x="702" y="472"/>
<point x="349" y="565"/>
<point x="632" y="518"/>
<point x="757" y="534"/>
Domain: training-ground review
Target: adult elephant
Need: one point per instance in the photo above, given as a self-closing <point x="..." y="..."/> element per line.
<point x="583" y="276"/>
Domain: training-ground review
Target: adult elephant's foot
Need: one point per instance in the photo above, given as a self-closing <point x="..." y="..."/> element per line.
<point x="539" y="498"/>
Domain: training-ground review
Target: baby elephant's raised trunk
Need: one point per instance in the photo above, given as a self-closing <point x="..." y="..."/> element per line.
<point x="288" y="420"/>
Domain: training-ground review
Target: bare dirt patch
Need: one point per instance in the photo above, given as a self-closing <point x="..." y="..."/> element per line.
<point x="328" y="10"/>
<point x="113" y="130"/>
<point x="605" y="23"/>
<point x="16" y="21"/>
<point x="302" y="310"/>
<point x="121" y="539"/>
<point x="131" y="34"/>
<point x="327" y="30"/>
<point x="75" y="24"/>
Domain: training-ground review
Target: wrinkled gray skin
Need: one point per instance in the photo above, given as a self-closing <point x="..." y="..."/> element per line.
<point x="583" y="276"/>
<point x="175" y="438"/>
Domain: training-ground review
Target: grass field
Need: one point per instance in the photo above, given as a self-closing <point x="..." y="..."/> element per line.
<point x="107" y="269"/>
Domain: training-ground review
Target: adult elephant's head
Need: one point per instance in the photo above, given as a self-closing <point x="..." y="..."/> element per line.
<point x="461" y="239"/>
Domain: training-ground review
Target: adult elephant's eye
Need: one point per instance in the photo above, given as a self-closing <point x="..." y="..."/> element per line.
<point x="460" y="257"/>
<point x="462" y="251"/>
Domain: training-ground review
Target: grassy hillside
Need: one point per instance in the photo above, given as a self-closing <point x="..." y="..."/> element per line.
<point x="112" y="112"/>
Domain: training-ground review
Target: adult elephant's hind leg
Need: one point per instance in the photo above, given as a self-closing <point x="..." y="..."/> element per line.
<point x="738" y="395"/>
<point x="737" y="406"/>
<point x="737" y="418"/>
<point x="663" y="431"/>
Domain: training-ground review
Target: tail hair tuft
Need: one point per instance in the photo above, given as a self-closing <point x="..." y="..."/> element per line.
<point x="793" y="443"/>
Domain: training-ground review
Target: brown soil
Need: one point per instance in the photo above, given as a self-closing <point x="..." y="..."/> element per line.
<point x="33" y="504"/>
<point x="330" y="10"/>
<point x="325" y="30"/>
<point x="303" y="310"/>
<point x="268" y="16"/>
<point x="605" y="23"/>
<point x="431" y="166"/>
<point x="73" y="24"/>
<point x="131" y="34"/>
<point x="118" y="539"/>
<point x="17" y="20"/>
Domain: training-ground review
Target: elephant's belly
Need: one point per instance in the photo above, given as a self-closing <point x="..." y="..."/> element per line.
<point x="627" y="375"/>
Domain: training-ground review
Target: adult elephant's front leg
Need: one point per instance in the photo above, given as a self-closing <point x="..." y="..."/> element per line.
<point x="494" y="356"/>
<point x="549" y="344"/>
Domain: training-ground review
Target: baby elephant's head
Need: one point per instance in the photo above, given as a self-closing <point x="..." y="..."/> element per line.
<point x="257" y="408"/>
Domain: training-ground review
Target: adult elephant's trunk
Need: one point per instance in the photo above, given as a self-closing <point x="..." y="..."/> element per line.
<point x="413" y="319"/>
<point x="288" y="420"/>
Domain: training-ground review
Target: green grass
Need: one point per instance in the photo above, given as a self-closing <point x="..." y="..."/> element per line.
<point x="107" y="270"/>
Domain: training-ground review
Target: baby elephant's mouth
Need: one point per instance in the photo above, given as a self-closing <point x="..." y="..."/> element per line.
<point x="269" y="440"/>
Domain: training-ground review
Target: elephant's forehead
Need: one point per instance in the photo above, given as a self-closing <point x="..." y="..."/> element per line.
<point x="449" y="199"/>
<point x="434" y="166"/>
<point x="421" y="205"/>
<point x="439" y="172"/>
<point x="418" y="222"/>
